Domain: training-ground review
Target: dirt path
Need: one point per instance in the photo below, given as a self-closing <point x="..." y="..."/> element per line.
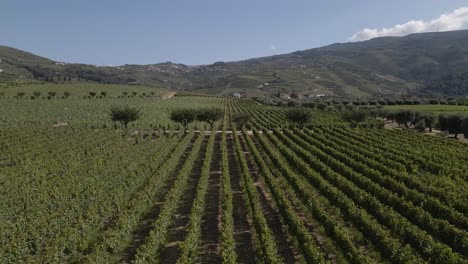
<point x="168" y="95"/>
<point x="211" y="219"/>
<point x="242" y="223"/>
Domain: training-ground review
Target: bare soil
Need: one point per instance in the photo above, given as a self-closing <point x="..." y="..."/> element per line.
<point x="242" y="224"/>
<point x="144" y="227"/>
<point x="168" y="95"/>
<point x="179" y="226"/>
<point x="271" y="213"/>
<point x="211" y="219"/>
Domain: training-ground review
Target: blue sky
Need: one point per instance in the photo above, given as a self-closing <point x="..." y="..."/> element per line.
<point x="114" y="32"/>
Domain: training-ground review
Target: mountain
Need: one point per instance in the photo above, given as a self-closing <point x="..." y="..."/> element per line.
<point x="422" y="64"/>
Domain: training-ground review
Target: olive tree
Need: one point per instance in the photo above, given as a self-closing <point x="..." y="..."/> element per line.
<point x="124" y="114"/>
<point x="454" y="124"/>
<point x="451" y="123"/>
<point x="183" y="116"/>
<point x="241" y="118"/>
<point x="464" y="126"/>
<point x="355" y="116"/>
<point x="430" y="119"/>
<point x="427" y="118"/>
<point x="209" y="115"/>
<point x="299" y="116"/>
<point x="404" y="117"/>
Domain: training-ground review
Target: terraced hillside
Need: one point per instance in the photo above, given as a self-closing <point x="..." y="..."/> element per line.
<point x="425" y="64"/>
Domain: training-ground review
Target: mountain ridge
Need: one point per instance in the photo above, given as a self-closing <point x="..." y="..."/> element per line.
<point x="422" y="63"/>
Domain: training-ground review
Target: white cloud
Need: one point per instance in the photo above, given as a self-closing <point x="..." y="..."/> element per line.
<point x="273" y="47"/>
<point x="446" y="22"/>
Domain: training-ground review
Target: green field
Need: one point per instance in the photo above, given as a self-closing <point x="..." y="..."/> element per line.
<point x="432" y="108"/>
<point x="87" y="192"/>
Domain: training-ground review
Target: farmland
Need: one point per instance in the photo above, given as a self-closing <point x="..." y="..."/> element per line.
<point x="87" y="191"/>
<point x="432" y="108"/>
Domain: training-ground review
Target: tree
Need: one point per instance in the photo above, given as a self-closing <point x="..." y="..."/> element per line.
<point x="124" y="114"/>
<point x="300" y="116"/>
<point x="52" y="94"/>
<point x="241" y="118"/>
<point x="464" y="127"/>
<point x="20" y="94"/>
<point x="442" y="121"/>
<point x="404" y="117"/>
<point x="420" y="125"/>
<point x="210" y="115"/>
<point x="429" y="119"/>
<point x="183" y="116"/>
<point x="103" y="93"/>
<point x="37" y="94"/>
<point x="355" y="116"/>
<point x="454" y="124"/>
<point x="66" y="94"/>
<point x="92" y="94"/>
<point x="321" y="106"/>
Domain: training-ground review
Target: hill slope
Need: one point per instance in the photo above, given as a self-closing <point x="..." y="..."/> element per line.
<point x="427" y="63"/>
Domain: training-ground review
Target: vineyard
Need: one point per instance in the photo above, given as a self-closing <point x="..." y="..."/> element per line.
<point x="267" y="192"/>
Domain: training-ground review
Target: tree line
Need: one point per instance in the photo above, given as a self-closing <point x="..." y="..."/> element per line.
<point x="454" y="123"/>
